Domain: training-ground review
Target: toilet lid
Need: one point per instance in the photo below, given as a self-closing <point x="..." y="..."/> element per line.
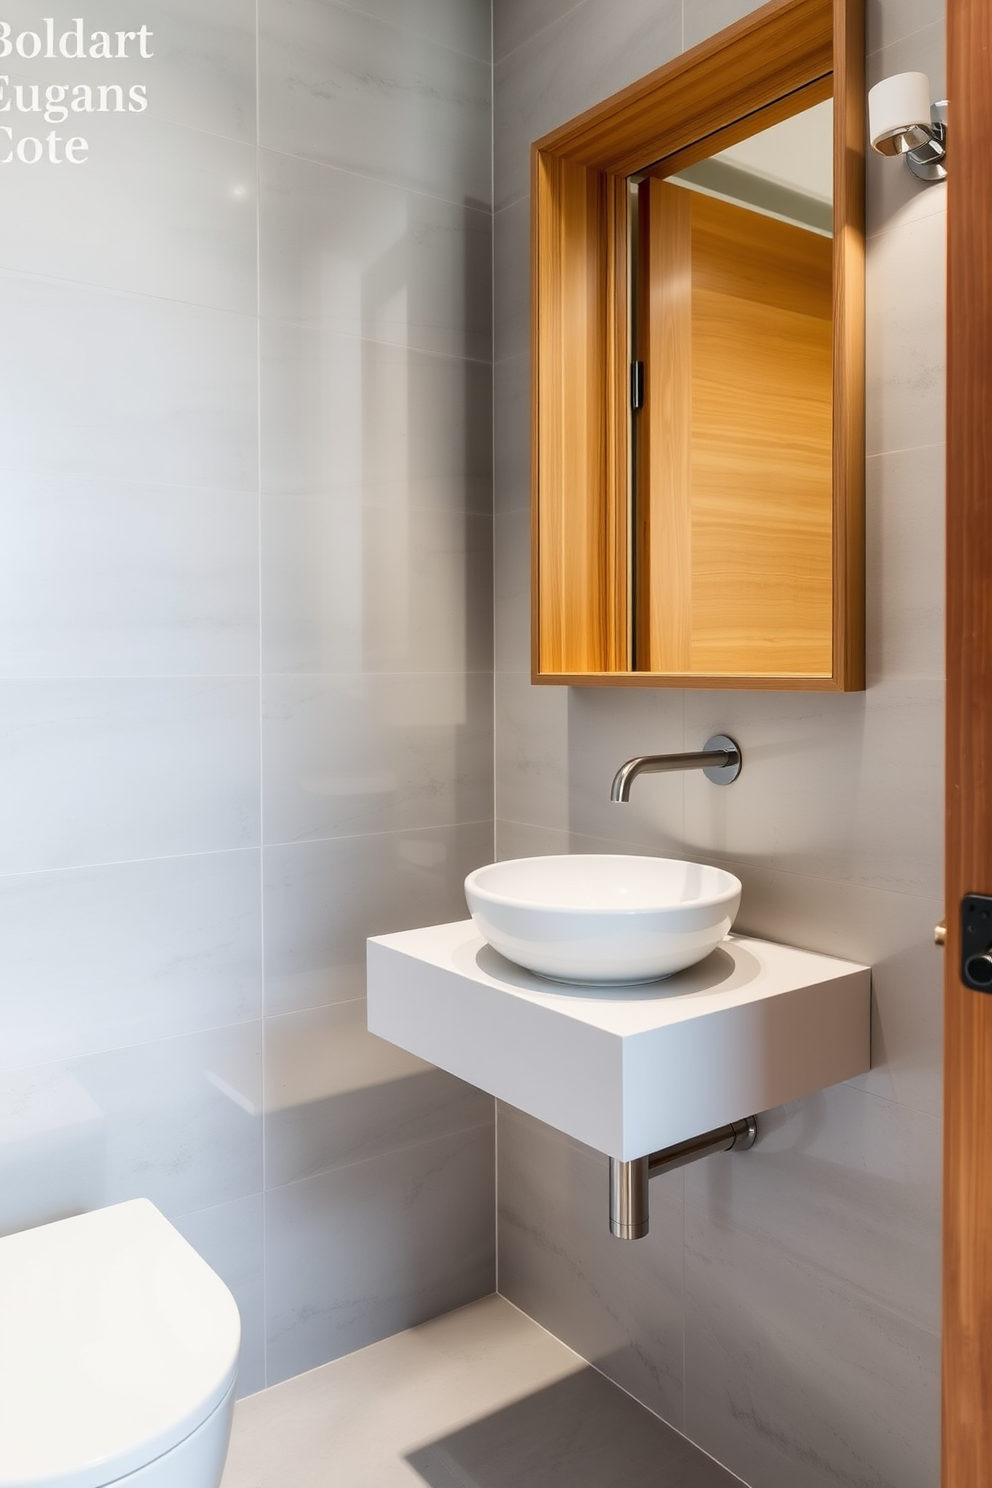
<point x="116" y="1342"/>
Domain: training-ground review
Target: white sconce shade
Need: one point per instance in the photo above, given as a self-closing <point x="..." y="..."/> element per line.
<point x="899" y="113"/>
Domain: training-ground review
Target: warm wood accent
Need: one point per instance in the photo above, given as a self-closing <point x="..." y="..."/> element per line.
<point x="772" y="52"/>
<point x="773" y="113"/>
<point x="578" y="540"/>
<point x="734" y="456"/>
<point x="774" y="62"/>
<point x="761" y="431"/>
<point x="967" y="1325"/>
<point x="664" y="431"/>
<point x="849" y="345"/>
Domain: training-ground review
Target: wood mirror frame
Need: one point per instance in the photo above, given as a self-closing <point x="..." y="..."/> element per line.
<point x="766" y="67"/>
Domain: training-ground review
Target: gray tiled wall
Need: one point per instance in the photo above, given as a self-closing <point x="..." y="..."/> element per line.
<point x="784" y="1310"/>
<point x="246" y="648"/>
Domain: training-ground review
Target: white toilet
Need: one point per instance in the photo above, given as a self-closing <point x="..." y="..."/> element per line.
<point x="118" y="1355"/>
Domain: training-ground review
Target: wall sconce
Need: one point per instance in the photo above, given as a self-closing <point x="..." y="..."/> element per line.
<point x="901" y="121"/>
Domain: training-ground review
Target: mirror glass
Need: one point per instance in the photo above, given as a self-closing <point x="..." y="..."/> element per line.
<point x="731" y="441"/>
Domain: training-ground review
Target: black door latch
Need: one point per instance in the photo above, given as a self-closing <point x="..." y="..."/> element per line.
<point x="976" y="942"/>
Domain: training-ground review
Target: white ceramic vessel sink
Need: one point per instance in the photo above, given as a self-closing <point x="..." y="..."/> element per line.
<point x="602" y="918"/>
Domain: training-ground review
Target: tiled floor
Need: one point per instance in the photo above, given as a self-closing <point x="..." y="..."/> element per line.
<point x="481" y="1398"/>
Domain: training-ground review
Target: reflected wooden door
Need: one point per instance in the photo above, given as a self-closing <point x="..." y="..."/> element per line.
<point x="967" y="1323"/>
<point x="733" y="504"/>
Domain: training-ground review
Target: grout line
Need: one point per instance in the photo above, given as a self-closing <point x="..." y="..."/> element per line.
<point x="95" y="288"/>
<point x="363" y="14"/>
<point x="682" y="1293"/>
<point x="890" y="1100"/>
<point x="482" y="821"/>
<point x="305" y="673"/>
<point x="909" y="449"/>
<point x="218" y="852"/>
<point x="387" y="181"/>
<point x="919" y="896"/>
<point x="582" y="1361"/>
<point x="514" y="201"/>
<point x="455" y="358"/>
<point x="897" y="41"/>
<point x="535" y="35"/>
<point x="129" y="482"/>
<point x="590" y="1364"/>
<point x="496" y="1191"/>
<point x="492" y="312"/>
<point x="131" y="294"/>
<point x="904" y="226"/>
<point x="419" y="1144"/>
<point x="261" y="720"/>
<point x="212" y="852"/>
<point x="143" y="1043"/>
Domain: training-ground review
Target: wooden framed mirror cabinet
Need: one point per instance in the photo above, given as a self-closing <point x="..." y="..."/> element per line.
<point x="698" y="368"/>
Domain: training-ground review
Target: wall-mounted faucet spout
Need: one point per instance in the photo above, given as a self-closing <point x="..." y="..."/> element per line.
<point x="719" y="759"/>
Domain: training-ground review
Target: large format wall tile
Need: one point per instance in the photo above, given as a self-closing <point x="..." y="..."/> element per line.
<point x="521" y="840"/>
<point x="511" y="434"/>
<point x="172" y="1121"/>
<point x="792" y="1379"/>
<point x="366" y="258"/>
<point x="825" y="784"/>
<point x="511" y="270"/>
<point x="127" y="387"/>
<point x="558" y="749"/>
<point x="102" y="577"/>
<point x="366" y="1250"/>
<point x="391" y="425"/>
<point x="703" y="18"/>
<point x="99" y="771"/>
<point x="143" y="951"/>
<point x="335" y="1095"/>
<point x="618" y="1303"/>
<point x="582" y="58"/>
<point x="465" y="25"/>
<point x="606" y="726"/>
<point x="350" y="90"/>
<point x="137" y="574"/>
<point x="352" y="588"/>
<point x="905" y="545"/>
<point x="516" y="21"/>
<point x="512" y="580"/>
<point x="531" y="748"/>
<point x="323" y="899"/>
<point x="889" y="21"/>
<point x="845" y="1184"/>
<point x="229" y="1238"/>
<point x="183" y="202"/>
<point x="349" y="755"/>
<point x="201" y="71"/>
<point x="905" y="332"/>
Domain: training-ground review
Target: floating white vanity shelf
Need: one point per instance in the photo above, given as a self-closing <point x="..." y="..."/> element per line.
<point x="626" y="1070"/>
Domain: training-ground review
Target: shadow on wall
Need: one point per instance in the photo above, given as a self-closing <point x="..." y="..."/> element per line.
<point x="581" y="1432"/>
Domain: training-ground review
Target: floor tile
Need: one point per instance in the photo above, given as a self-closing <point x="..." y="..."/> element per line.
<point x="480" y="1398"/>
<point x="619" y="1304"/>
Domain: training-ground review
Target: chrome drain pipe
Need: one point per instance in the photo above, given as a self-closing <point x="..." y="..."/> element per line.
<point x="629" y="1180"/>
